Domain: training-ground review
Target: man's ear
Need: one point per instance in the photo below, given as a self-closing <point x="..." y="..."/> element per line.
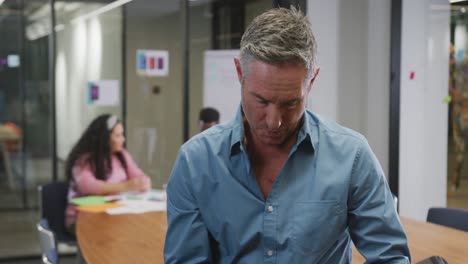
<point x="238" y="69"/>
<point x="309" y="85"/>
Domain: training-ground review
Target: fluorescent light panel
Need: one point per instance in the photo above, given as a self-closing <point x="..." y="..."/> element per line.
<point x="101" y="10"/>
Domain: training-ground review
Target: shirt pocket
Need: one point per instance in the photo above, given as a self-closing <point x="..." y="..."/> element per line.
<point x="315" y="225"/>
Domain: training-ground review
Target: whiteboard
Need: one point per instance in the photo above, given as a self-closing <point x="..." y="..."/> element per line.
<point x="221" y="88"/>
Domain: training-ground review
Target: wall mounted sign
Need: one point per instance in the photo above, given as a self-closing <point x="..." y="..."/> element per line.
<point x="152" y="62"/>
<point x="103" y="93"/>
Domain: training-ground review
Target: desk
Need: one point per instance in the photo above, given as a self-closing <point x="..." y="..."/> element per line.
<point x="139" y="238"/>
<point x="128" y="238"/>
<point x="426" y="239"/>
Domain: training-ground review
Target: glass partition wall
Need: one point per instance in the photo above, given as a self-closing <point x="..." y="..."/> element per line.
<point x="44" y="108"/>
<point x="457" y="161"/>
<point x="154" y="74"/>
<point x="25" y="120"/>
<point x="88" y="58"/>
<point x="149" y="56"/>
<point x="162" y="106"/>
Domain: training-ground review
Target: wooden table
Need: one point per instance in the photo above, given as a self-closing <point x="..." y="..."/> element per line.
<point x="128" y="238"/>
<point x="426" y="239"/>
<point x="139" y="238"/>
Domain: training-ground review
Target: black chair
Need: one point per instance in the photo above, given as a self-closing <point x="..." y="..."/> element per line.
<point x="395" y="201"/>
<point x="452" y="217"/>
<point x="53" y="201"/>
<point x="433" y="260"/>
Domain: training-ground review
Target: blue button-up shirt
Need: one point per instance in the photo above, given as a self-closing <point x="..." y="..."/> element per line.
<point x="331" y="191"/>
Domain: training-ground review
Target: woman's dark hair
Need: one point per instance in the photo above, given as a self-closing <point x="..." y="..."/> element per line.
<point x="95" y="143"/>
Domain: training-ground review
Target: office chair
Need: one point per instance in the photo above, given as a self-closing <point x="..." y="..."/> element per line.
<point x="433" y="260"/>
<point x="452" y="217"/>
<point x="395" y="201"/>
<point x="47" y="243"/>
<point x="53" y="201"/>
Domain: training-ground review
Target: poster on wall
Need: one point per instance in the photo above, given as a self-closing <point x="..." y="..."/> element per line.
<point x="152" y="63"/>
<point x="103" y="93"/>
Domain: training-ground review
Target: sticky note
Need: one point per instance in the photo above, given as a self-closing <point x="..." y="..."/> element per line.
<point x="88" y="200"/>
<point x="98" y="208"/>
<point x="448" y="99"/>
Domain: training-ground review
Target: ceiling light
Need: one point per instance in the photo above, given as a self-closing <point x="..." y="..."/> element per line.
<point x="101" y="10"/>
<point x="59" y="27"/>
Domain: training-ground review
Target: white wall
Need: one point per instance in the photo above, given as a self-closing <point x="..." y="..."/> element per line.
<point x="377" y="94"/>
<point x="423" y="114"/>
<point x="323" y="16"/>
<point x="87" y="50"/>
<point x="353" y="86"/>
<point x="354" y="56"/>
<point x="352" y="64"/>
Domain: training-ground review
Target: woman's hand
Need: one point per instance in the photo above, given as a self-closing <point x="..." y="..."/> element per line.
<point x="139" y="184"/>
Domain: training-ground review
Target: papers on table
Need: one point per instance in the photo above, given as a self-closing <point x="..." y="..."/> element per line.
<point x="125" y="203"/>
<point x="137" y="203"/>
<point x="137" y="207"/>
<point x="152" y="195"/>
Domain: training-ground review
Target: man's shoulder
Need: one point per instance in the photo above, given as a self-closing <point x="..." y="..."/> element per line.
<point x="217" y="135"/>
<point x="330" y="129"/>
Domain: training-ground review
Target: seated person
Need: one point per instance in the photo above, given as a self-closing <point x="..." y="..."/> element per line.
<point x="100" y="165"/>
<point x="13" y="134"/>
<point x="208" y="118"/>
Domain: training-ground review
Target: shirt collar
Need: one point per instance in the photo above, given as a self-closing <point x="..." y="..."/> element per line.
<point x="309" y="130"/>
<point x="307" y="133"/>
<point x="237" y="132"/>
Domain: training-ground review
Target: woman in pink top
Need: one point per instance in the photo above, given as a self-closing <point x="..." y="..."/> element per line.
<point x="99" y="165"/>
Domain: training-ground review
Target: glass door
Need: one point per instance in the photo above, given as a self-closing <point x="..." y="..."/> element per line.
<point x="25" y="121"/>
<point x="154" y="85"/>
<point x="457" y="163"/>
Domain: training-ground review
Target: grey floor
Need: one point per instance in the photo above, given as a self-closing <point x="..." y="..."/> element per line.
<point x="17" y="226"/>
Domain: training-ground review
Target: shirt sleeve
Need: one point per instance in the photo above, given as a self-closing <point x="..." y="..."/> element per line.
<point x="187" y="238"/>
<point x="86" y="182"/>
<point x="374" y="224"/>
<point x="132" y="168"/>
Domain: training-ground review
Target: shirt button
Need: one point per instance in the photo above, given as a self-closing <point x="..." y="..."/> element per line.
<point x="270" y="208"/>
<point x="270" y="252"/>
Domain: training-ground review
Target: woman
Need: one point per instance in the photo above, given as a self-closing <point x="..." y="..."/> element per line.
<point x="99" y="165"/>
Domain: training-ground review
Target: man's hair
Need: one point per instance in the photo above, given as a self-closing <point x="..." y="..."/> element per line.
<point x="209" y="114"/>
<point x="279" y="36"/>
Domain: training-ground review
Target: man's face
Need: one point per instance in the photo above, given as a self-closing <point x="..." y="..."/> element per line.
<point x="273" y="98"/>
<point x="117" y="138"/>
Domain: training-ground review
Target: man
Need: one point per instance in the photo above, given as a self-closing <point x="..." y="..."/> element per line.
<point x="208" y="117"/>
<point x="278" y="184"/>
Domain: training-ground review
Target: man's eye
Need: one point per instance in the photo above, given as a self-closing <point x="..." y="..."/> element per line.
<point x="291" y="104"/>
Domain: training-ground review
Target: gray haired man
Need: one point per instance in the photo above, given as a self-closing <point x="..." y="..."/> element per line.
<point x="279" y="184"/>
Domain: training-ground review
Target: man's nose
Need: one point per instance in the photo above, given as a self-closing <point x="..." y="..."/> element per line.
<point x="274" y="119"/>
